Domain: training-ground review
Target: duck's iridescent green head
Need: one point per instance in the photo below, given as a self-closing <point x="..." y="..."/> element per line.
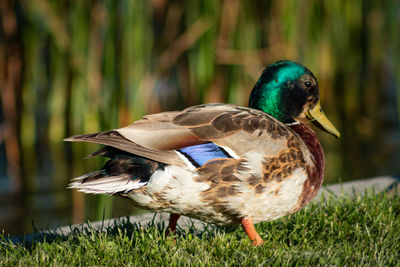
<point x="289" y="92"/>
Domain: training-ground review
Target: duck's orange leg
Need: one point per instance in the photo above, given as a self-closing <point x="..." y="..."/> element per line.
<point x="248" y="227"/>
<point x="173" y="218"/>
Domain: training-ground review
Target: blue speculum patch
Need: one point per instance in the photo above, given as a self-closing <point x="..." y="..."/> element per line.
<point x="200" y="154"/>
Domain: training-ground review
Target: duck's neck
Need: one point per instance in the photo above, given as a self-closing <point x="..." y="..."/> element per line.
<point x="315" y="172"/>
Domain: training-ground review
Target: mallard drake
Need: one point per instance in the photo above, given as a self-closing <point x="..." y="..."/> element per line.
<point x="221" y="163"/>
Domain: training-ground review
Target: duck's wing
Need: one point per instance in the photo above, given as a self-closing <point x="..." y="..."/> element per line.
<point x="235" y="129"/>
<point x="115" y="139"/>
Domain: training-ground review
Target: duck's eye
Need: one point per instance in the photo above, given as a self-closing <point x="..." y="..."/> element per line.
<point x="307" y="84"/>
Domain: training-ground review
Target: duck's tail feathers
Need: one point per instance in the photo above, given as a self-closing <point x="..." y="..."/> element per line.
<point x="99" y="182"/>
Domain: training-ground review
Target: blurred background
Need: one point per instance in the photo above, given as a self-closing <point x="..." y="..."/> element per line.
<point x="72" y="67"/>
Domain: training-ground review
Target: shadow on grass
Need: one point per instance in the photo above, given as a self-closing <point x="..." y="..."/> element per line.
<point x="133" y="230"/>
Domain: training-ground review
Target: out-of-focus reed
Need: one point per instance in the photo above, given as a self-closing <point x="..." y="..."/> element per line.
<point x="70" y="67"/>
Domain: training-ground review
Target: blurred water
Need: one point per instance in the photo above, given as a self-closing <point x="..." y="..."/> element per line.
<point x="87" y="74"/>
<point x="44" y="209"/>
<point x="23" y="213"/>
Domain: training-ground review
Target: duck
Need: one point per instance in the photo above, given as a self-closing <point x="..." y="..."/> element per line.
<point x="221" y="163"/>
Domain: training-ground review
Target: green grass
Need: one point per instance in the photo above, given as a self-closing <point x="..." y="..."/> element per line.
<point x="362" y="231"/>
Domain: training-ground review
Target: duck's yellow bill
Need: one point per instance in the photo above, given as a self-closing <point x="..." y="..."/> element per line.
<point x="319" y="119"/>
